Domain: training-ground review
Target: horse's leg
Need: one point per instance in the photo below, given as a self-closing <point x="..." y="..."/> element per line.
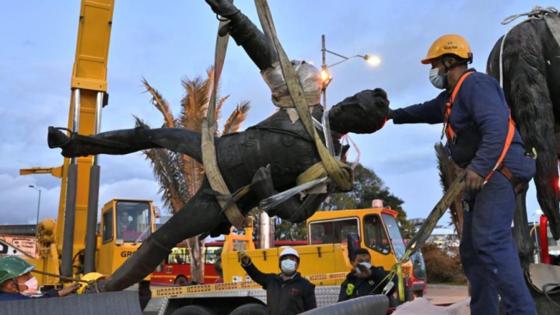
<point x="201" y="214"/>
<point x="125" y="141"/>
<point x="521" y="231"/>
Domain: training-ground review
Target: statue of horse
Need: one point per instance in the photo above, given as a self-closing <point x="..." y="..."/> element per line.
<point x="527" y="62"/>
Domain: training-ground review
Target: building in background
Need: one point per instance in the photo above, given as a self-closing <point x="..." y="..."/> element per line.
<point x="18" y="240"/>
<point x="442" y="236"/>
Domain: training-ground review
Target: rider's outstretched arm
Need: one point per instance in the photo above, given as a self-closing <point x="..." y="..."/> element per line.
<point x="246" y="34"/>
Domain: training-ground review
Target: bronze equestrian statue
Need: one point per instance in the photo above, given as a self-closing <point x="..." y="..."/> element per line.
<point x="527" y="61"/>
<point x="268" y="156"/>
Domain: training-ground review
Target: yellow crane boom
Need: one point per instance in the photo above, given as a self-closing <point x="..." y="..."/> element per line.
<point x="89" y="87"/>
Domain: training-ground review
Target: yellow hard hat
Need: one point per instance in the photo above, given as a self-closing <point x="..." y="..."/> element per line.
<point x="89" y="277"/>
<point x="449" y="44"/>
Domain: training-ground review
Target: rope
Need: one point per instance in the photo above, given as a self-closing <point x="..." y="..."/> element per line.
<point x="424" y="232"/>
<point x="340" y="173"/>
<point x="537" y="13"/>
<point x="59" y="276"/>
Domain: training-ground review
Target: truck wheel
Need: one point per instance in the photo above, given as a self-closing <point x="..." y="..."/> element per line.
<point x="250" y="309"/>
<point x="192" y="310"/>
<point x="181" y="281"/>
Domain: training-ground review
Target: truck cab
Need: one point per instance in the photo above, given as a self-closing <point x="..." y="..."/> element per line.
<point x="377" y="231"/>
<point x="324" y="259"/>
<point x="124" y="225"/>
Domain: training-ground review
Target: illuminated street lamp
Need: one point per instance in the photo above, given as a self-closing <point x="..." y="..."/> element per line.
<point x="372" y="60"/>
<point x="38" y="201"/>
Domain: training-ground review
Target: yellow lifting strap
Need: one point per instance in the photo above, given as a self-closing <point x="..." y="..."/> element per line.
<point x="425" y="230"/>
<point x="209" y="161"/>
<point x="340" y="173"/>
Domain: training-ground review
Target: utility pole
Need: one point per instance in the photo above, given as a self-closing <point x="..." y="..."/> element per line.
<point x="38" y="203"/>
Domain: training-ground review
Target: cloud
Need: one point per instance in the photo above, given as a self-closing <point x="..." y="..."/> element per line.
<point x="36" y="66"/>
<point x="19" y="202"/>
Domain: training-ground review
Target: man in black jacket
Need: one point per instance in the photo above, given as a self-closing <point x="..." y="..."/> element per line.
<point x="286" y="293"/>
<point x="364" y="279"/>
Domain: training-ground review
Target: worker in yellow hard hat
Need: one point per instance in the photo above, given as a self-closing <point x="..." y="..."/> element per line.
<point x="482" y="139"/>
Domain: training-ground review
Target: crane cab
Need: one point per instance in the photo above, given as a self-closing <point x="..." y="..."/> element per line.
<point x="124" y="225"/>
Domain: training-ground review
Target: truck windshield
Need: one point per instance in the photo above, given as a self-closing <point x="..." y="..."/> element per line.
<point x="394" y="235"/>
<point x="133" y="221"/>
<point x="375" y="236"/>
<point x="328" y="232"/>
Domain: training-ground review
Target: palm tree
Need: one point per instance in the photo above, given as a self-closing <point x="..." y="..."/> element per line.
<point x="179" y="175"/>
<point x="448" y="171"/>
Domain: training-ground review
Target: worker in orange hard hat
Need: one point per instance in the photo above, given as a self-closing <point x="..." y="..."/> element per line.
<point x="482" y="139"/>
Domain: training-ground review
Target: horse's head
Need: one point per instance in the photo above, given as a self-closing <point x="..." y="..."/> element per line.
<point x="365" y="112"/>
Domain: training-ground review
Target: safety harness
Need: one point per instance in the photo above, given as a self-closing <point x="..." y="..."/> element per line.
<point x="451" y="135"/>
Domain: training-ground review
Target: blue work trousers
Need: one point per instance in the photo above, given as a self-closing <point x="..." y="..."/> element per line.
<point x="489" y="254"/>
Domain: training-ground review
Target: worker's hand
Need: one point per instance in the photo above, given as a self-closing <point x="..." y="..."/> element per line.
<point x="223" y="8"/>
<point x="244" y="258"/>
<point x="473" y="182"/>
<point x="68" y="289"/>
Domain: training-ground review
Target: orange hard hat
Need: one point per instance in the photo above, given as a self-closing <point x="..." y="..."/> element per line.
<point x="449" y="44"/>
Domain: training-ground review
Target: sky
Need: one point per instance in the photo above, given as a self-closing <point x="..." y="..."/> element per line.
<point x="167" y="41"/>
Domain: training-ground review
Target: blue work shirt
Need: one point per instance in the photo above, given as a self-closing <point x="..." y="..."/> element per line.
<point x="16" y="296"/>
<point x="479" y="117"/>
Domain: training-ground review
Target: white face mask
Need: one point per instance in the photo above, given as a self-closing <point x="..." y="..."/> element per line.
<point x="288" y="266"/>
<point x="438" y="80"/>
<point x="363" y="264"/>
<point x="32" y="287"/>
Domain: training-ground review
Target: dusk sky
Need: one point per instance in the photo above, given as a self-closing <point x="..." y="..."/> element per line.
<point x="166" y="41"/>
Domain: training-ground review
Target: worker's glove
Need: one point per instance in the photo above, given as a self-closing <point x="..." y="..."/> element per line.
<point x="69" y="289"/>
<point x="473" y="182"/>
<point x="244" y="258"/>
<point x="223" y="8"/>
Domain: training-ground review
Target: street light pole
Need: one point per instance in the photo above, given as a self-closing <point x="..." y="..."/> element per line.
<point x="373" y="60"/>
<point x="38" y="202"/>
<point x="324" y="71"/>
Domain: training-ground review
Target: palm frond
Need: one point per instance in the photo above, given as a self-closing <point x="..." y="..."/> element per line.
<point x="236" y="118"/>
<point x="161" y="104"/>
<point x="165" y="169"/>
<point x="194" y="173"/>
<point x="443" y="166"/>
<point x="448" y="171"/>
<point x="195" y="103"/>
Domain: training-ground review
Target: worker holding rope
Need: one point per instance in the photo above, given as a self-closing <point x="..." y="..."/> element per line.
<point x="17" y="282"/>
<point x="482" y="139"/>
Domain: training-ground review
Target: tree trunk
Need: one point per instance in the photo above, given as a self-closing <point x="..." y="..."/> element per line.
<point x="197" y="266"/>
